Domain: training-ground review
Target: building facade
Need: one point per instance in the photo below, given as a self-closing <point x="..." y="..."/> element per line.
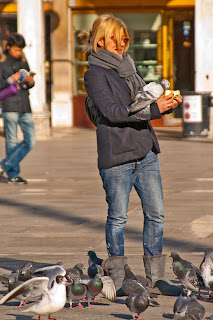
<point x="162" y="46"/>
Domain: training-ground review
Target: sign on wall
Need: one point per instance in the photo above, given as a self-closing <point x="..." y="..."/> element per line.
<point x="192" y="109"/>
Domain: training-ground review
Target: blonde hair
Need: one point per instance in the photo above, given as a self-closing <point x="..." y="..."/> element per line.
<point x="103" y="27"/>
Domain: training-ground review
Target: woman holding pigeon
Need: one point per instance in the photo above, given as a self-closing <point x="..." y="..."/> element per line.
<point x="127" y="144"/>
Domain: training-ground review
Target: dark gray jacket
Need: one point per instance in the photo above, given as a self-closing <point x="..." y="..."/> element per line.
<point x="120" y="138"/>
<point x="20" y="101"/>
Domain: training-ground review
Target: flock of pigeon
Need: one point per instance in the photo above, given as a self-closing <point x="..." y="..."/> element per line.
<point x="52" y="286"/>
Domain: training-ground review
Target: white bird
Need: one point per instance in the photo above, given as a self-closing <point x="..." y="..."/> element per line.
<point x="52" y="290"/>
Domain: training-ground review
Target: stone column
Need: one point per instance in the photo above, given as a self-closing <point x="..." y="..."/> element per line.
<point x="204" y="49"/>
<point x="61" y="107"/>
<point x="30" y="19"/>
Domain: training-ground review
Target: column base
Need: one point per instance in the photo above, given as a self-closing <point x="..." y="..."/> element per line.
<point x="42" y="124"/>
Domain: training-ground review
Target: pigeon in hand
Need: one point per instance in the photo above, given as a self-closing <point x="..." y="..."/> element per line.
<point x="187" y="307"/>
<point x="76" y="291"/>
<point x="51" y="289"/>
<point x="187" y="273"/>
<point x="147" y="95"/>
<point x="93" y="258"/>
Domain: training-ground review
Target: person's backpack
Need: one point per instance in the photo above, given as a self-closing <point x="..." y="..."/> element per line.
<point x="92" y="111"/>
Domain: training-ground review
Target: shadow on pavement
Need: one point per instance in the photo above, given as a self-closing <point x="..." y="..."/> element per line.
<point x="131" y="233"/>
<point x="121" y="316"/>
<point x="21" y="317"/>
<point x="3" y="179"/>
<point x="13" y="264"/>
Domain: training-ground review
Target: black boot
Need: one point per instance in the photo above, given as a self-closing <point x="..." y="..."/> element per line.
<point x="115" y="269"/>
<point x="155" y="275"/>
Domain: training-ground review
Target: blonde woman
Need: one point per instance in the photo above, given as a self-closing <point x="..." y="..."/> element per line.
<point x="127" y="147"/>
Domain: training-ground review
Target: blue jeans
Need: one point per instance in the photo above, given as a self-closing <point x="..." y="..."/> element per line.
<point x="144" y="176"/>
<point x="15" y="150"/>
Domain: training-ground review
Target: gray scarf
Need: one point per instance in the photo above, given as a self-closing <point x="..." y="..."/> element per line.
<point x="124" y="66"/>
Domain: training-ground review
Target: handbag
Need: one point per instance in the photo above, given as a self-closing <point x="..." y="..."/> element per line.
<point x="92" y="111"/>
<point x="8" y="91"/>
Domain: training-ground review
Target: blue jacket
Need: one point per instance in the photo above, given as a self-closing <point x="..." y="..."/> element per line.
<point x="120" y="138"/>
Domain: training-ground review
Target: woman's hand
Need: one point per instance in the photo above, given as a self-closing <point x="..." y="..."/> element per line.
<point x="166" y="103"/>
<point x="16" y="76"/>
<point x="28" y="79"/>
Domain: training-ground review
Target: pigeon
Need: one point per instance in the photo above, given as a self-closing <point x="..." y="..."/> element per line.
<point x="76" y="292"/>
<point x="181" y="305"/>
<point x="187" y="273"/>
<point x="94" y="259"/>
<point x="108" y="287"/>
<point x="187" y="307"/>
<point x="76" y="271"/>
<point x="93" y="269"/>
<point x="206" y="269"/>
<point x="51" y="289"/>
<point x="16" y="278"/>
<point x="93" y="287"/>
<point x="137" y="302"/>
<point x="25" y="272"/>
<point x="11" y="281"/>
<point x="147" y="95"/>
<point x="131" y="284"/>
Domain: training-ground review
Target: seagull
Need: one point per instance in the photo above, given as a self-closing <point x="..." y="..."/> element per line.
<point x="52" y="290"/>
<point x="187" y="307"/>
<point x="206" y="269"/>
<point x="188" y="274"/>
<point x="147" y="95"/>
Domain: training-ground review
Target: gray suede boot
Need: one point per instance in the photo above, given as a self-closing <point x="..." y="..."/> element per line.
<point x="155" y="275"/>
<point x="115" y="269"/>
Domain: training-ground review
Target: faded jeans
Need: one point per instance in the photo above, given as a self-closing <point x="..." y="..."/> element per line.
<point x="144" y="176"/>
<point x="15" y="150"/>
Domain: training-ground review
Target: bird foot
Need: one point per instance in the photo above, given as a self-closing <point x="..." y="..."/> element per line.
<point x="51" y="318"/>
<point x="71" y="308"/>
<point x="96" y="300"/>
<point x="80" y="305"/>
<point x="20" y="305"/>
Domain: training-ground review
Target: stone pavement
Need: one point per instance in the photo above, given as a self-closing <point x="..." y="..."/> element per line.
<point x="60" y="214"/>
